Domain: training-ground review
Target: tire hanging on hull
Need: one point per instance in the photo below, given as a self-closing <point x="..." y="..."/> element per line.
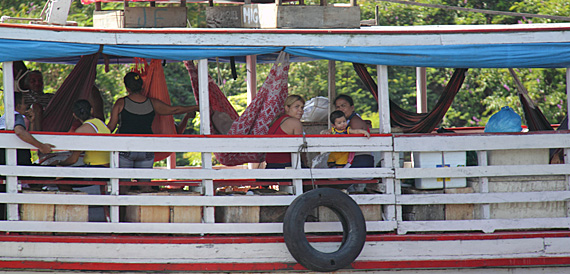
<point x="353" y="226"/>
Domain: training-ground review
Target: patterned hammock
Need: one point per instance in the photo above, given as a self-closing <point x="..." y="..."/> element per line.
<point x="257" y="117"/>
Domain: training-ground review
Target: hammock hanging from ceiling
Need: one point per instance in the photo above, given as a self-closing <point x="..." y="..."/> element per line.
<point x="58" y="115"/>
<point x="257" y="117"/>
<point x="154" y="86"/>
<point x="412" y="122"/>
<point x="535" y="119"/>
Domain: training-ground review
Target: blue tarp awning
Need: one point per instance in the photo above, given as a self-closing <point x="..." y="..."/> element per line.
<point x="534" y="55"/>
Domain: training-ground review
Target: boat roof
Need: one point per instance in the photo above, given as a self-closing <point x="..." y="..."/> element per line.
<point x="457" y="46"/>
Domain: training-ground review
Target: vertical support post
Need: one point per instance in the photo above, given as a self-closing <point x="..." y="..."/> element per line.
<point x="331" y="86"/>
<point x="297" y="183"/>
<point x="98" y="6"/>
<point x="208" y="184"/>
<point x="484" y="182"/>
<point x="383" y="99"/>
<point x="421" y="90"/>
<point x="11" y="157"/>
<point x="323" y="3"/>
<point x="566" y="150"/>
<point x="251" y="81"/>
<point x="353" y="3"/>
<point x="183" y="3"/>
<point x="376" y="16"/>
<point x="251" y="67"/>
<point x="114" y="187"/>
<point x="392" y="212"/>
<point x="278" y="2"/>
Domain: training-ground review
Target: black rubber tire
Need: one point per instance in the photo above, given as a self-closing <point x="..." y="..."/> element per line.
<point x="353" y="226"/>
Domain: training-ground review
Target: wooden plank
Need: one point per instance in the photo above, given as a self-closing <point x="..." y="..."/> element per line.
<point x="155" y="17"/>
<point x="390" y="36"/>
<point x="482" y="171"/>
<point x="317" y="17"/>
<point x="71" y="213"/>
<point x="148" y="214"/>
<point x="237" y="214"/>
<point x="460" y="142"/>
<point x="123" y="200"/>
<point x="459" y="211"/>
<point x="124" y="173"/>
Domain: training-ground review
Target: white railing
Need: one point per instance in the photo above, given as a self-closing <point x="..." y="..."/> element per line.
<point x="480" y="177"/>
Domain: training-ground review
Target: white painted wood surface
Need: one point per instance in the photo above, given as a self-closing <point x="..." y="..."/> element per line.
<point x="394" y="36"/>
<point x="393" y="200"/>
<point x="277" y="252"/>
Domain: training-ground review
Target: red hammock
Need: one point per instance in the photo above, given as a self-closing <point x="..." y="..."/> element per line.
<point x="218" y="101"/>
<point x="412" y="122"/>
<point x="58" y="115"/>
<point x="256" y="119"/>
<point x="154" y="86"/>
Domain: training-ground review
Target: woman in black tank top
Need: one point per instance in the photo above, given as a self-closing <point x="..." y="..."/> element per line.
<point x="134" y="114"/>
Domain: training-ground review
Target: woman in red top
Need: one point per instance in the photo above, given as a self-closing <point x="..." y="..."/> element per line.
<point x="288" y="123"/>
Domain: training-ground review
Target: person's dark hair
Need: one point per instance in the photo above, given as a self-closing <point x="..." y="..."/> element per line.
<point x="82" y="109"/>
<point x="344" y="97"/>
<point x="18" y="98"/>
<point x="335" y="115"/>
<point x="27" y="77"/>
<point x="133" y="82"/>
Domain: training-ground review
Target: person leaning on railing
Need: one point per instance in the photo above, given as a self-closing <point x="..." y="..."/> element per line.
<point x="20" y="128"/>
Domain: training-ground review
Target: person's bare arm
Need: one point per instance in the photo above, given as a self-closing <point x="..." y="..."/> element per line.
<point x="182" y="126"/>
<point x="163" y="109"/>
<point x="72" y="159"/>
<point x="25" y="136"/>
<point x="360" y="131"/>
<point x="326" y="131"/>
<point x="114" y="119"/>
<point x="357" y="123"/>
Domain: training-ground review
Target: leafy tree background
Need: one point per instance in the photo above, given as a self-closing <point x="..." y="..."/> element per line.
<point x="484" y="92"/>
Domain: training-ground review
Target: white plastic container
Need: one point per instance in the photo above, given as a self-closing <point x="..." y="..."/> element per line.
<point x="439" y="160"/>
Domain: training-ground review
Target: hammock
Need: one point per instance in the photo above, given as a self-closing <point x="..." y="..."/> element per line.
<point x="257" y="117"/>
<point x="535" y="119"/>
<point x="58" y="115"/>
<point x="412" y="122"/>
<point x="154" y="86"/>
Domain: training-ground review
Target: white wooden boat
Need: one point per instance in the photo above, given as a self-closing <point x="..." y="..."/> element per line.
<point x="523" y="241"/>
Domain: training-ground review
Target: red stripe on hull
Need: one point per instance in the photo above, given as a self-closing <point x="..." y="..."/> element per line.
<point x="437" y="264"/>
<point x="155" y="239"/>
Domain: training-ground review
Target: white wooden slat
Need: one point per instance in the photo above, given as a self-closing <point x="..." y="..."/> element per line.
<point x="127" y="173"/>
<point x="480" y="142"/>
<point x="483" y="198"/>
<point x="177" y="228"/>
<point x="482" y="171"/>
<point x="202" y="144"/>
<point x="142" y="253"/>
<point x="487" y="226"/>
<point x="363" y="37"/>
<point x="277" y="252"/>
<point x="176" y="200"/>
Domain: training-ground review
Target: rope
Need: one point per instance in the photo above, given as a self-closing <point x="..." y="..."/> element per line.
<point x="303" y="148"/>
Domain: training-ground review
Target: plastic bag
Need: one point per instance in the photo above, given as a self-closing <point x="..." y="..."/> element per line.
<point x="316" y="110"/>
<point x="506" y="120"/>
